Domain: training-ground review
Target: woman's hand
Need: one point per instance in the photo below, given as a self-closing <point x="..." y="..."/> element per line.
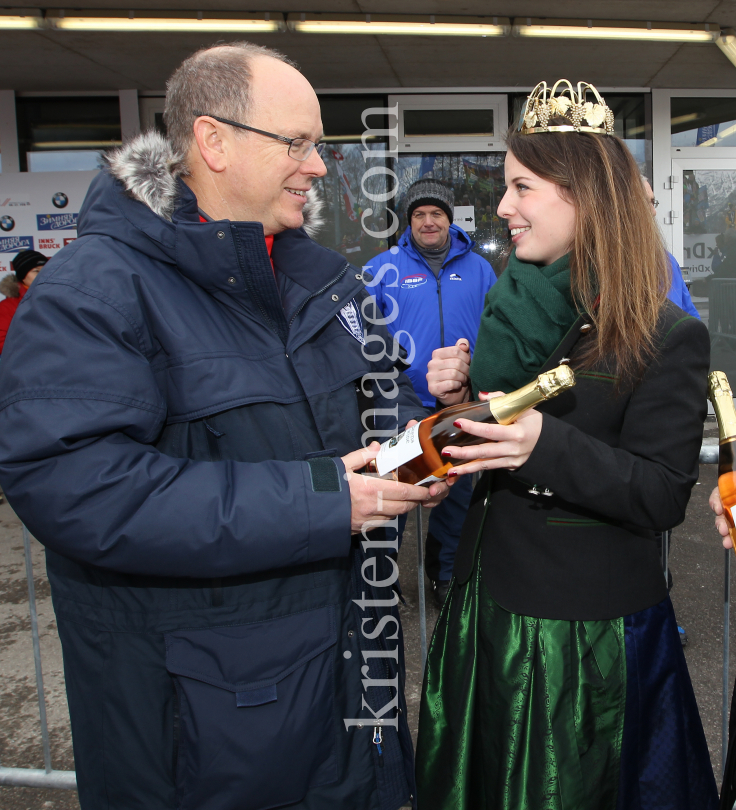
<point x="721" y="524"/>
<point x="447" y="374"/>
<point x="508" y="446"/>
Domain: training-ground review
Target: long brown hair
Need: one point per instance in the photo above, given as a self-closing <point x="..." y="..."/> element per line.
<point x="618" y="257"/>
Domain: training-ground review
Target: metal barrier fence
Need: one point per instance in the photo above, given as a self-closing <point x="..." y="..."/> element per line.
<point x="47" y="777"/>
<point x="37" y="777"/>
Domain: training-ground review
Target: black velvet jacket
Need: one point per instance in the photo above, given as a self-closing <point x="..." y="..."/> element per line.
<point x="621" y="464"/>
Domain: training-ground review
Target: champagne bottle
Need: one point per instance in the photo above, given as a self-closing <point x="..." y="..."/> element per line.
<point x="414" y="456"/>
<point x="719" y="393"/>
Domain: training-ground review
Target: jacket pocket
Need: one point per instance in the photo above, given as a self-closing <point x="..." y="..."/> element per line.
<point x="257" y="711"/>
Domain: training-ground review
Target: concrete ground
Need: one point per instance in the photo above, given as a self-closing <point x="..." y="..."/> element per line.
<point x="697" y="564"/>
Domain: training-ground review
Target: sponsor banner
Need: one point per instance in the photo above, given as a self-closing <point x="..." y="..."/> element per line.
<point x="57" y="222"/>
<point x="42" y="207"/>
<point x="69" y="239"/>
<point x="13" y="244"/>
<point x="16" y="201"/>
<point x="46" y="243"/>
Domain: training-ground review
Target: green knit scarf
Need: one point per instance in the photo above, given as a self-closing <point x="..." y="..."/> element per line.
<point x="527" y="313"/>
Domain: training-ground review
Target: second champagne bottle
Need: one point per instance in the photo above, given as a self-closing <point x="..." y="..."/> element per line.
<point x="414" y="456"/>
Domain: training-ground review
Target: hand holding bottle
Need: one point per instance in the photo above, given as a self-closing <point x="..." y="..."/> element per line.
<point x="448" y="374"/>
<point x="376" y="501"/>
<point x="507" y="446"/>
<point x="420" y="454"/>
<point x="721" y="523"/>
<point x="723" y="499"/>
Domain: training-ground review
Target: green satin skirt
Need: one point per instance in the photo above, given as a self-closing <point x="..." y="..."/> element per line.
<point x="519" y="713"/>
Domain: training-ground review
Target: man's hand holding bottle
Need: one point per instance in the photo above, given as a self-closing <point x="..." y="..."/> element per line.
<point x="376" y="501"/>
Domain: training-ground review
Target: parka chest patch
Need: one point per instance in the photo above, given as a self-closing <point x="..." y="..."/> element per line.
<point x="349" y="317"/>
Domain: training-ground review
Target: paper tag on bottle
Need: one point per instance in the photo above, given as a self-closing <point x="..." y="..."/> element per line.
<point x="399" y="450"/>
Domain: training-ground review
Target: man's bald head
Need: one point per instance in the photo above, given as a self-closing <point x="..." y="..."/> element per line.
<point x="216" y="81"/>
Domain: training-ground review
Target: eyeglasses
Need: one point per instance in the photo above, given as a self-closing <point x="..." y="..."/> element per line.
<point x="299" y="148"/>
<point x="654" y="202"/>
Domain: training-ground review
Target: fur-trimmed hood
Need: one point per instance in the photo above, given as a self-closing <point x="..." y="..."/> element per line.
<point x="149" y="167"/>
<point x="10" y="286"/>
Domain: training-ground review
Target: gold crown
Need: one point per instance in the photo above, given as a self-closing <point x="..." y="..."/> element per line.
<point x="542" y="104"/>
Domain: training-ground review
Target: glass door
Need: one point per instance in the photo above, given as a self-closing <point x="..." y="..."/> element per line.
<point x="348" y="189"/>
<point x="477" y="179"/>
<point x="703" y="220"/>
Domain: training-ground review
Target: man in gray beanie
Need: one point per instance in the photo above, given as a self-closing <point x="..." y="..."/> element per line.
<point x="429" y="210"/>
<point x="433" y="287"/>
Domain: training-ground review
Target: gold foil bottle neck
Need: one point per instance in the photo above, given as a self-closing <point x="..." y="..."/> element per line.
<point x="719" y="393"/>
<point x="718" y="385"/>
<point x="554" y="382"/>
<point x="507" y="408"/>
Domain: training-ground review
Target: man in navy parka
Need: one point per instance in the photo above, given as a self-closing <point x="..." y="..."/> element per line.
<point x="179" y="418"/>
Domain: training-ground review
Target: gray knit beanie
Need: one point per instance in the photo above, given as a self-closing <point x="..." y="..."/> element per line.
<point x="430" y="192"/>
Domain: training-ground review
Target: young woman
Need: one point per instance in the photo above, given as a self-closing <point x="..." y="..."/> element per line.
<point x="556" y="678"/>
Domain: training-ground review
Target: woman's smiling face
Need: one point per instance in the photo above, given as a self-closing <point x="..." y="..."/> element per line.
<point x="541" y="220"/>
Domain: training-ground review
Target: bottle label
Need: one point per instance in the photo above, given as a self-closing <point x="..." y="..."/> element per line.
<point x="399" y="450"/>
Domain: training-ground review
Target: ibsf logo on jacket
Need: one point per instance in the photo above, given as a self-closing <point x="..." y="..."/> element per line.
<point x="12" y="244"/>
<point x="409" y="282"/>
<point x="57" y="222"/>
<point x="349" y="317"/>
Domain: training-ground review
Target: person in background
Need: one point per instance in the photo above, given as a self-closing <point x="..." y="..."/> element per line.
<point x="431" y="288"/>
<point x="679" y="293"/>
<point x="26" y="266"/>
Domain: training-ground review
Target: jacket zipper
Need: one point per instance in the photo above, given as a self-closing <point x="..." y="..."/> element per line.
<point x="377" y="740"/>
<point x="439" y="295"/>
<point x="439" y="301"/>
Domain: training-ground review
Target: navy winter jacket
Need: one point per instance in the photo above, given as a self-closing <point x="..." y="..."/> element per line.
<point x="426" y="313"/>
<point x="171" y="422"/>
